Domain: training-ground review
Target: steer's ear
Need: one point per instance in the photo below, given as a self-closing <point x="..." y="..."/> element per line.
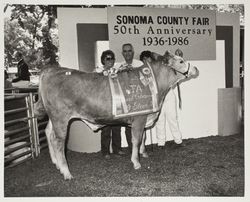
<point x="167" y="54"/>
<point x="167" y="57"/>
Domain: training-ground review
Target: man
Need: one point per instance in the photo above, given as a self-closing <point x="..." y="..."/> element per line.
<point x="169" y="116"/>
<point x="129" y="62"/>
<point x="22" y="69"/>
<point x="128" y="55"/>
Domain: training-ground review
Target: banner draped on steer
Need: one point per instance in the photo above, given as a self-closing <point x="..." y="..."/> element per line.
<point x="134" y="92"/>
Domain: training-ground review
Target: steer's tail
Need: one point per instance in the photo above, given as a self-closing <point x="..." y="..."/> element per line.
<point x="39" y="109"/>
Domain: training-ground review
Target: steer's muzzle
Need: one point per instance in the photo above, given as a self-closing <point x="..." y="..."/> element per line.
<point x="194" y="72"/>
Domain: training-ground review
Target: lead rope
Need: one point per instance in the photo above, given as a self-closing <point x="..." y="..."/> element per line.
<point x="179" y="95"/>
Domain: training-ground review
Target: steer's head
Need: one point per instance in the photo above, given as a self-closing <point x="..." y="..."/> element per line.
<point x="170" y="69"/>
<point x="174" y="66"/>
<point x="179" y="65"/>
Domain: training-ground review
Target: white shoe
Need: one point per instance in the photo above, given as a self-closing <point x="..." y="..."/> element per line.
<point x="178" y="141"/>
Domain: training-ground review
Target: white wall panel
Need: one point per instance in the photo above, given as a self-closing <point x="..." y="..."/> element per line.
<point x="199" y="114"/>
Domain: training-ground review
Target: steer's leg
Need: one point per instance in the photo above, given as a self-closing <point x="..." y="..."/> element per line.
<point x="143" y="151"/>
<point x="58" y="144"/>
<point x="50" y="134"/>
<point x="138" y="125"/>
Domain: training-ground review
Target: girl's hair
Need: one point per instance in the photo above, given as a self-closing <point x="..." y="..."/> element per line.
<point x="146" y="54"/>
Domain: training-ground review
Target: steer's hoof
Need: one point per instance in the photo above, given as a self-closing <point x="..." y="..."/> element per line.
<point x="137" y="166"/>
<point x="66" y="174"/>
<point x="144" y="155"/>
<point x="68" y="177"/>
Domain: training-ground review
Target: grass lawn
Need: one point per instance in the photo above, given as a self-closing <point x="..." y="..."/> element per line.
<point x="210" y="166"/>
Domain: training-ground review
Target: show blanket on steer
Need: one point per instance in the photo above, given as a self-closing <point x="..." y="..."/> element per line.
<point x="134" y="92"/>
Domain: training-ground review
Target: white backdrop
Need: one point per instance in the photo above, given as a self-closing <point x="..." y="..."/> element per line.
<point x="199" y="114"/>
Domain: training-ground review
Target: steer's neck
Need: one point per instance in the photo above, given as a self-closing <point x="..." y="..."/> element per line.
<point x="166" y="80"/>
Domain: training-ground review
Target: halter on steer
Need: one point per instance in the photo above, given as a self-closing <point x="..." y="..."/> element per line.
<point x="183" y="73"/>
<point x="178" y="86"/>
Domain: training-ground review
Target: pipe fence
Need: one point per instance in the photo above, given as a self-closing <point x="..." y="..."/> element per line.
<point x="24" y="135"/>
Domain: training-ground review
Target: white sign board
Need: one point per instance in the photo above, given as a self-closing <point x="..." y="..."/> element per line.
<point x="161" y="29"/>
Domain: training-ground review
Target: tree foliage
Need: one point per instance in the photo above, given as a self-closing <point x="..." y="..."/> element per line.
<point x="29" y="30"/>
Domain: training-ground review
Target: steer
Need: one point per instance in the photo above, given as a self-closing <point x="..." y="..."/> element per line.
<point x="65" y="94"/>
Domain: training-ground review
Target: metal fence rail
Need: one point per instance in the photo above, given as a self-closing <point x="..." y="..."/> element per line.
<point x="24" y="135"/>
<point x="12" y="122"/>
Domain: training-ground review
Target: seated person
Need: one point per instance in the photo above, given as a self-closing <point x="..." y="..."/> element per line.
<point x="22" y="69"/>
